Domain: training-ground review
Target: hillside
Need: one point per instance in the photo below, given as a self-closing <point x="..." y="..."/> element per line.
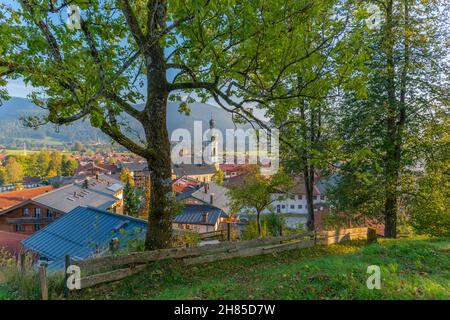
<point x="11" y="128"/>
<point x="410" y="269"/>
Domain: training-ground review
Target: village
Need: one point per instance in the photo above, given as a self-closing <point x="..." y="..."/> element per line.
<point x="224" y="150"/>
<point x="98" y="190"/>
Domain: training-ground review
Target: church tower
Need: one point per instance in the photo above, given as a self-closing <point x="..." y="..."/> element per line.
<point x="214" y="141"/>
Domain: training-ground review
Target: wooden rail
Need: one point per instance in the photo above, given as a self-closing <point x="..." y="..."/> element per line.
<point x="177" y="253"/>
<point x="137" y="261"/>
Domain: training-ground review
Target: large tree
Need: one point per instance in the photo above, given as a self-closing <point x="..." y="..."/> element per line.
<point x="383" y="120"/>
<point x="120" y="52"/>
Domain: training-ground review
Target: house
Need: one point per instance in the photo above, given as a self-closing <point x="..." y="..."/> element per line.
<point x="11" y="242"/>
<point x="295" y="200"/>
<point x="199" y="172"/>
<point x="32" y="182"/>
<point x="233" y="170"/>
<point x="82" y="233"/>
<point x="185" y="184"/>
<point x="92" y="168"/>
<point x="13" y="198"/>
<point x="138" y="172"/>
<point x="209" y="193"/>
<point x="201" y="218"/>
<point x="33" y="214"/>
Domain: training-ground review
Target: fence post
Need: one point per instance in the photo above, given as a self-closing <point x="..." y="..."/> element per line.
<point x="371" y="235"/>
<point x="22" y="264"/>
<point x="66" y="266"/>
<point x="43" y="280"/>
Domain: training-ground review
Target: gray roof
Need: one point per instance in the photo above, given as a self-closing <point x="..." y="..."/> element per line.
<point x="82" y="233"/>
<point x="99" y="194"/>
<point x="327" y="183"/>
<point x="220" y="199"/>
<point x="184" y="169"/>
<point x="133" y="166"/>
<point x="194" y="214"/>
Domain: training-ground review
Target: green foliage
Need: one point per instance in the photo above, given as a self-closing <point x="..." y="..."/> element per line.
<point x="186" y="239"/>
<point x="429" y="209"/>
<point x="275" y="223"/>
<point x="13" y="171"/>
<point x="219" y="177"/>
<point x="68" y="167"/>
<point x="251" y="230"/>
<point x="132" y="200"/>
<point x="125" y="176"/>
<point x="255" y="194"/>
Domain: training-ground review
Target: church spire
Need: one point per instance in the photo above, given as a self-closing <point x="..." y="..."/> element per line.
<point x="212" y="122"/>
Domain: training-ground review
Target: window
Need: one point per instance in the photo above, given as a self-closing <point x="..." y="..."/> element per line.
<point x="283" y="206"/>
<point x="20" y="228"/>
<point x="37" y="227"/>
<point x="315" y="197"/>
<point x="278" y="209"/>
<point x="26" y="212"/>
<point x="292" y="206"/>
<point x="322" y="197"/>
<point x="49" y="213"/>
<point x="37" y="212"/>
<point x="300" y="197"/>
<point x="299" y="206"/>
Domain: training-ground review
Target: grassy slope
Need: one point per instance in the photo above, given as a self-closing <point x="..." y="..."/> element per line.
<point x="410" y="269"/>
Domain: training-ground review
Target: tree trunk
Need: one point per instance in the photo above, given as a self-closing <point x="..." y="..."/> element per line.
<point x="159" y="230"/>
<point x="306" y="167"/>
<point x="392" y="160"/>
<point x="258" y="221"/>
<point x="309" y="187"/>
<point x="159" y="233"/>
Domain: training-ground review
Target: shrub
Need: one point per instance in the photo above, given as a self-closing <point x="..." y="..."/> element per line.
<point x="274" y="223"/>
<point x="251" y="230"/>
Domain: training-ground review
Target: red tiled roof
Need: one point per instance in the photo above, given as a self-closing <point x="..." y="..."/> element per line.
<point x="181" y="185"/>
<point x="11" y="241"/>
<point x="12" y="198"/>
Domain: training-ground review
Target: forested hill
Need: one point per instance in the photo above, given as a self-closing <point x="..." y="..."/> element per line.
<point x="12" y="130"/>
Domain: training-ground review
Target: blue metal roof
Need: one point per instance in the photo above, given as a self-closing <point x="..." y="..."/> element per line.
<point x="83" y="232"/>
<point x="193" y="214"/>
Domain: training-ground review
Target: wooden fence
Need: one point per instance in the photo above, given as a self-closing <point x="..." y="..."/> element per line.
<point x="135" y="262"/>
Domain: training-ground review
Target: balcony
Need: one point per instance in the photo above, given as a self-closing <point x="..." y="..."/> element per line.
<point x="31" y="220"/>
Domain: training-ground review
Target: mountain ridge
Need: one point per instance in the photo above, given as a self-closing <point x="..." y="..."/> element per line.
<point x="12" y="129"/>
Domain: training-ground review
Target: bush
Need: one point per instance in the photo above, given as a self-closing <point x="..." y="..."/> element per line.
<point x="428" y="209"/>
<point x="251" y="230"/>
<point x="25" y="285"/>
<point x="274" y="223"/>
<point x="186" y="239"/>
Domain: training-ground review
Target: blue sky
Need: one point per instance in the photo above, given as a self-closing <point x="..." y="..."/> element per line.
<point x="16" y="88"/>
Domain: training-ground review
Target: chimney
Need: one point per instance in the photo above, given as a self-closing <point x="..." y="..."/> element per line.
<point x="211" y="198"/>
<point x="206" y="187"/>
<point x="96" y="177"/>
<point x="85" y="184"/>
<point x="205" y="217"/>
